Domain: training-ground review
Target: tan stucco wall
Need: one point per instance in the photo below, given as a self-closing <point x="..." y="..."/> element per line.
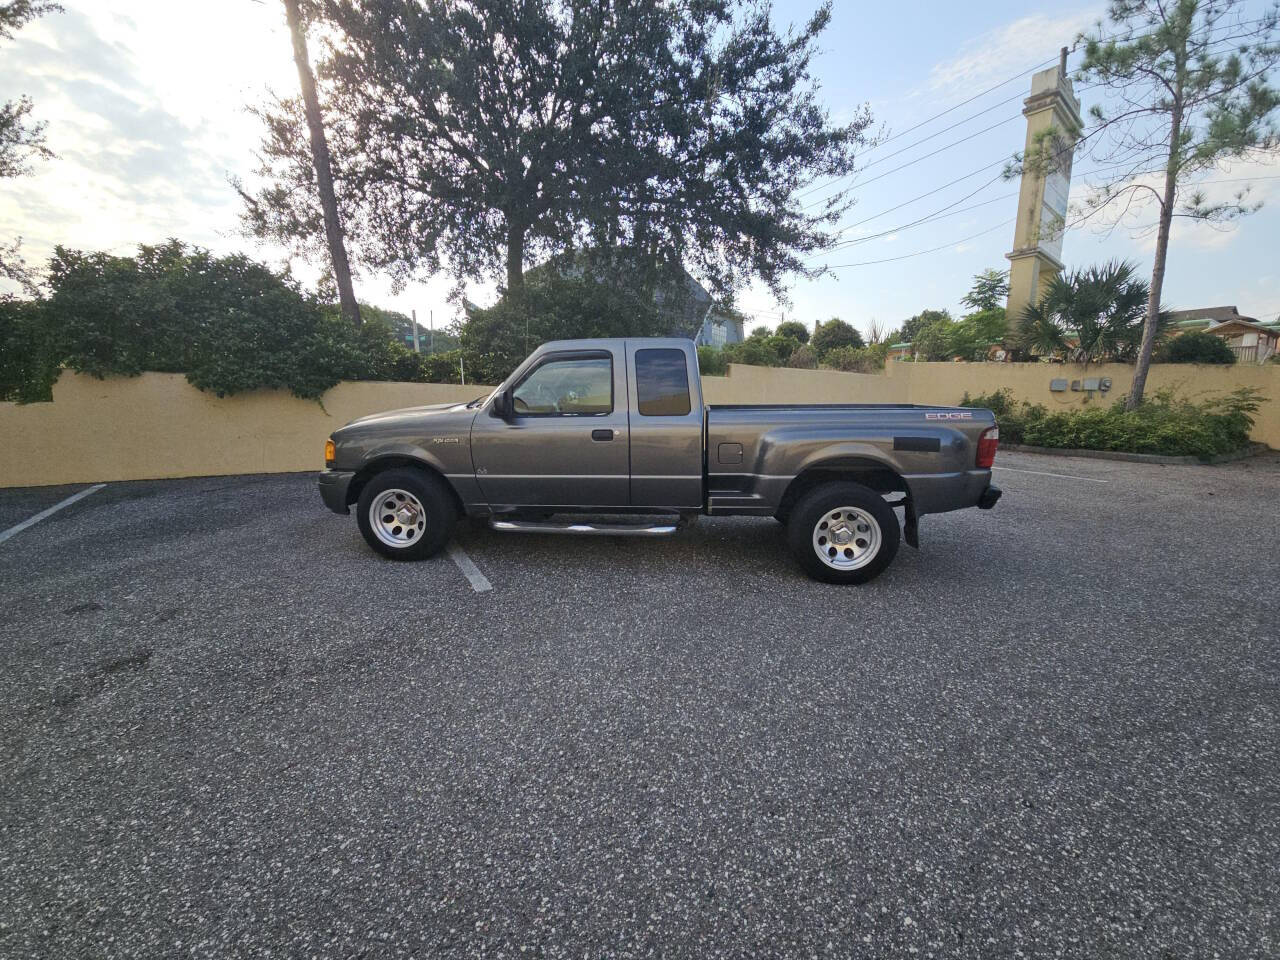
<point x="157" y="425"/>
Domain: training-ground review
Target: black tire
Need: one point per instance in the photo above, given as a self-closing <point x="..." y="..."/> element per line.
<point x="439" y="513"/>
<point x="812" y="509"/>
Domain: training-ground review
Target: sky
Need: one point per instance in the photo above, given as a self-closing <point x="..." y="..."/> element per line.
<point x="146" y="104"/>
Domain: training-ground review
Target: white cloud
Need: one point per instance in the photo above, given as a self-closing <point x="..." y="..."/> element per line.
<point x="992" y="57"/>
<point x="147" y="114"/>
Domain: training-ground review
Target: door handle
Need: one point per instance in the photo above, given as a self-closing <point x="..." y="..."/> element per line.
<point x="602" y="434"/>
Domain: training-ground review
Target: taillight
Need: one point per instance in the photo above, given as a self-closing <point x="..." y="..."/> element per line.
<point x="987" y="444"/>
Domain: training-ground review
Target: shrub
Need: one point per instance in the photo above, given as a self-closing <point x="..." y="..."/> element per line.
<point x="794" y="329"/>
<point x="857" y="359"/>
<point x="835" y="333"/>
<point x="1162" y="424"/>
<point x="711" y="362"/>
<point x="28" y="368"/>
<point x="1197" y="347"/>
<point x="803" y="357"/>
<point x="758" y="352"/>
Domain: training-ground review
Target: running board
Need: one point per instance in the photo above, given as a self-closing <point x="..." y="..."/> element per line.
<point x="585" y="529"/>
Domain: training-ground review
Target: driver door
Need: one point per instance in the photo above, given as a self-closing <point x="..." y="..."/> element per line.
<point x="566" y="442"/>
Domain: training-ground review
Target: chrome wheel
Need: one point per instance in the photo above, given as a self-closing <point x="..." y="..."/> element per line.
<point x="846" y="538"/>
<point x="397" y="518"/>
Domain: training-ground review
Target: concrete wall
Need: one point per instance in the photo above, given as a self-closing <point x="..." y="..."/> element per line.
<point x="157" y="425"/>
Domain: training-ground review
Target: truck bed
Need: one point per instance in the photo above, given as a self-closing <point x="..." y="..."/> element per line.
<point x="754" y="451"/>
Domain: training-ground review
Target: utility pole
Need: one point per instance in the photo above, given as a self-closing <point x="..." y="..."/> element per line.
<point x="431" y="319"/>
<point x="417" y="347"/>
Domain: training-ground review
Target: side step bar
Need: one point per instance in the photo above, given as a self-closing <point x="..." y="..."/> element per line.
<point x="585" y="529"/>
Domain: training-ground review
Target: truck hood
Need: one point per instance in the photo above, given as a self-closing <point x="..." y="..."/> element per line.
<point x="412" y="421"/>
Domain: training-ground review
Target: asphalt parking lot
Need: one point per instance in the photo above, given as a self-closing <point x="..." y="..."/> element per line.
<point x="229" y="729"/>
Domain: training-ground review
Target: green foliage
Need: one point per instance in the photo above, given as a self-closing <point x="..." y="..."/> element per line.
<point x="925" y="318"/>
<point x="990" y="291"/>
<point x="759" y="352"/>
<point x="1162" y="424"/>
<point x="685" y="131"/>
<point x="868" y="359"/>
<point x="1197" y="347"/>
<point x="934" y="341"/>
<point x="711" y="362"/>
<point x="832" y="334"/>
<point x="228" y="323"/>
<point x="971" y="336"/>
<point x="794" y="329"/>
<point x="1101" y="307"/>
<point x="804" y="357"/>
<point x="27" y="366"/>
<point x="760" y="333"/>
<point x="552" y="306"/>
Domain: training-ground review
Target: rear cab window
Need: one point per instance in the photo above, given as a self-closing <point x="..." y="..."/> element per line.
<point x="662" y="383"/>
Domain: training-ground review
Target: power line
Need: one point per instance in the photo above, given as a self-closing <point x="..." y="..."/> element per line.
<point x="920" y="253"/>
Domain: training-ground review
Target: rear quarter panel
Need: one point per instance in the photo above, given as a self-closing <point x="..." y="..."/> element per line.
<point x="933" y="449"/>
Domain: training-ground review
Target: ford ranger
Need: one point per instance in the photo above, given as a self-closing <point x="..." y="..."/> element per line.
<point x="613" y="437"/>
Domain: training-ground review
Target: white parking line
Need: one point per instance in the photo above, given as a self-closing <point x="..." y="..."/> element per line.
<point x="1061" y="476"/>
<point x="32" y="521"/>
<point x="479" y="582"/>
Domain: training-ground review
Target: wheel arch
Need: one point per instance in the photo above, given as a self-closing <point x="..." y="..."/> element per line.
<point x="869" y="472"/>
<point x="391" y="461"/>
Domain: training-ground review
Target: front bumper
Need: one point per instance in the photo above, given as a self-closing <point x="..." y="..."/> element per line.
<point x="989" y="497"/>
<point x="333" y="489"/>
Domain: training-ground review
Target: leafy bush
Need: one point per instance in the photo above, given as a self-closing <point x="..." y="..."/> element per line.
<point x="794" y="329"/>
<point x="711" y="362"/>
<point x="1162" y="424"/>
<point x="832" y="334"/>
<point x="857" y="359"/>
<point x="228" y="323"/>
<point x="27" y="366"/>
<point x="803" y="357"/>
<point x="1198" y="347"/>
<point x="555" y="306"/>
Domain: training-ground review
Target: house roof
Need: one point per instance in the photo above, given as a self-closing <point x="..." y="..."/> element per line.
<point x="1243" y="323"/>
<point x="1216" y="314"/>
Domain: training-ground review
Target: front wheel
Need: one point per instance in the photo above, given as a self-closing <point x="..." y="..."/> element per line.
<point x="843" y="533"/>
<point x="406" y="514"/>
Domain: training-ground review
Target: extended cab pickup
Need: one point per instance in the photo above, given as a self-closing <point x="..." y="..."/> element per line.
<point x="618" y="429"/>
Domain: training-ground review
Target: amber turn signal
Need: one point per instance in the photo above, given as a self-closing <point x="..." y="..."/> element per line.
<point x="330" y="453"/>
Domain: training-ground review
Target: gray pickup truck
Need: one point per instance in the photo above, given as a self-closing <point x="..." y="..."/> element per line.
<point x="613" y="437"/>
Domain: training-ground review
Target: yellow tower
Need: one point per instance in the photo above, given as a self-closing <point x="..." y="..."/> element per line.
<point x="1053" y="125"/>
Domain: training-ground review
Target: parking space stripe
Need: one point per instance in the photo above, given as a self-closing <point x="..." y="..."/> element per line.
<point x="479" y="582"/>
<point x="1060" y="476"/>
<point x="32" y="521"/>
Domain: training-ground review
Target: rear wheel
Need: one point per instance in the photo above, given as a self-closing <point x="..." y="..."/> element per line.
<point x="843" y="533"/>
<point x="406" y="514"/>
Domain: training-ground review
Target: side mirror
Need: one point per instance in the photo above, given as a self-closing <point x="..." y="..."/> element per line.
<point x="502" y="406"/>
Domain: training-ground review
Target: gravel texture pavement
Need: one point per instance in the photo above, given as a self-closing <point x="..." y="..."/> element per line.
<point x="228" y="729"/>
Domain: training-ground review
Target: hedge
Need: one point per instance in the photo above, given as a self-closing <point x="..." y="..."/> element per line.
<point x="1161" y="424"/>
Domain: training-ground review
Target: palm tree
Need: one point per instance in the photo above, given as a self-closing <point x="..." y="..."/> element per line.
<point x="1101" y="307"/>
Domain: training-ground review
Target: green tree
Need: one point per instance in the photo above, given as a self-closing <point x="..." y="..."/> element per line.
<point x="933" y="342"/>
<point x="1198" y="347"/>
<point x="794" y="329"/>
<point x="21" y="138"/>
<point x="971" y="336"/>
<point x="1100" y="308"/>
<point x="925" y="318"/>
<point x="832" y="334"/>
<point x="487" y="133"/>
<point x="760" y="332"/>
<point x="1190" y="79"/>
<point x="990" y="290"/>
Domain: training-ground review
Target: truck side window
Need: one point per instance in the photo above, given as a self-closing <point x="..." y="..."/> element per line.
<point x="578" y="386"/>
<point x="662" y="383"/>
